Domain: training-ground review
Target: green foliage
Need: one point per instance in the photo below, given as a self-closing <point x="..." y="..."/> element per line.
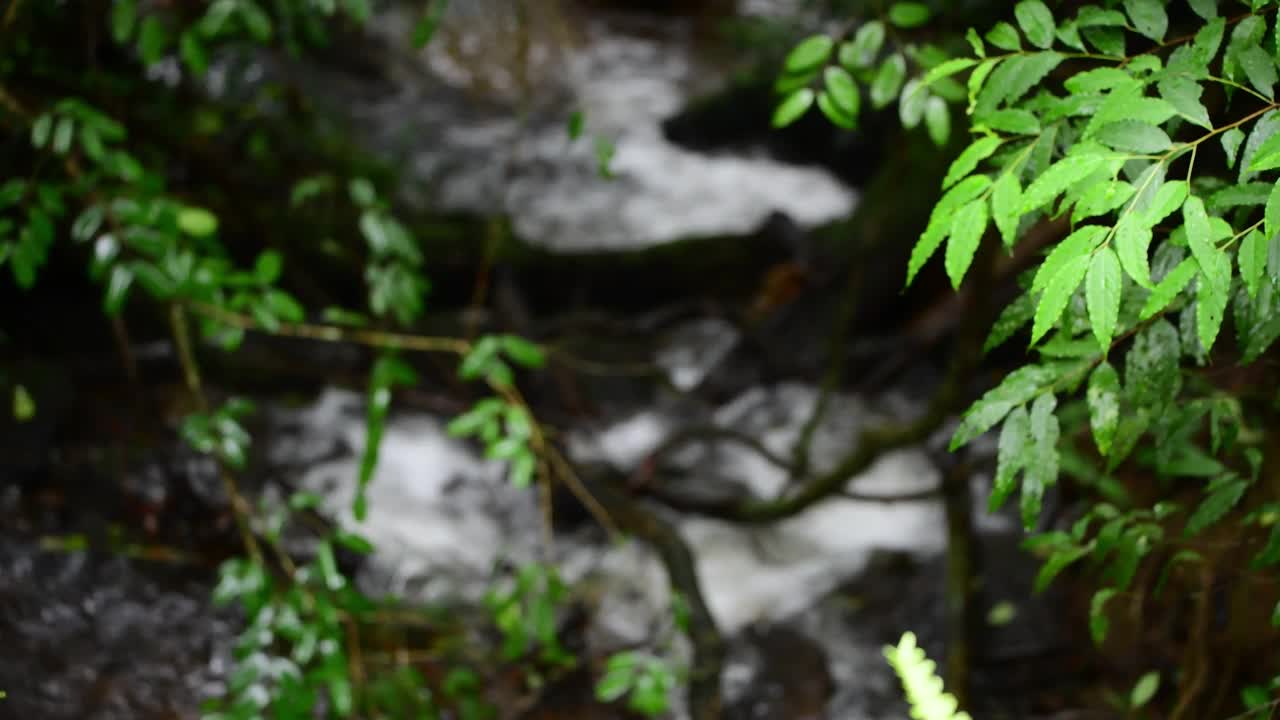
<point x="921" y="683"/>
<point x="1093" y="116"/>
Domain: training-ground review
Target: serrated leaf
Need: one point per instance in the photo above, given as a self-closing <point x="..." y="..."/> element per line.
<point x="1098" y="80"/>
<point x="1263" y="134"/>
<point x="1014" y="120"/>
<point x="1128" y="106"/>
<point x="1057" y="294"/>
<point x="1217" y="504"/>
<point x="888" y="80"/>
<point x="1060" y="560"/>
<point x="1102" y="295"/>
<point x="1014" y="78"/>
<point x="1006" y="206"/>
<point x="1231" y="141"/>
<point x="1012" y="456"/>
<point x="1151" y="374"/>
<point x="1017" y="388"/>
<point x="1101" y="199"/>
<point x="1260" y="68"/>
<point x="1171" y="196"/>
<point x="1252" y="257"/>
<point x="908" y="14"/>
<point x="809" y="53"/>
<point x="1109" y="40"/>
<point x="1103" y="398"/>
<point x="1211" y="305"/>
<point x="1254" y="193"/>
<point x="1149" y="17"/>
<point x="967" y="228"/>
<point x="1036" y="21"/>
<point x="1014" y="316"/>
<point x="1077" y="244"/>
<point x="793" y="107"/>
<point x="1183" y="94"/>
<point x="1042" y="465"/>
<point x="1200" y="240"/>
<point x="1059" y="177"/>
<point x="1134" y="136"/>
<point x="947" y="69"/>
<point x="1168" y="288"/>
<point x="940" y="221"/>
<point x="968" y="160"/>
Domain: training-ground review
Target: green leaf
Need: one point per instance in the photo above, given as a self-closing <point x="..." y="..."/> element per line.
<point x="1168" y="288"/>
<point x="834" y="112"/>
<point x="616" y="683"/>
<point x="940" y="221"/>
<point x="1211" y="305"/>
<point x="909" y="14"/>
<point x="1012" y="318"/>
<point x="911" y="104"/>
<point x="975" y="42"/>
<point x="197" y="222"/>
<point x="1017" y="388"/>
<point x="1057" y="294"/>
<point x="1101" y="199"/>
<point x="1109" y="40"/>
<point x="1171" y="196"/>
<point x="523" y="466"/>
<point x="866" y="45"/>
<point x="1149" y="17"/>
<point x="124" y="15"/>
<point x="1099" y="623"/>
<point x="1199" y="238"/>
<point x="1059" y="177"/>
<point x="1102" y="295"/>
<point x="1134" y="136"/>
<point x="1152" y="376"/>
<point x="1099" y="80"/>
<point x="1060" y="560"/>
<point x="1207" y="9"/>
<point x="1252" y="257"/>
<point x="1006" y="206"/>
<point x="888" y="80"/>
<point x="24" y="407"/>
<point x="1012" y="455"/>
<point x="1077" y="244"/>
<point x="193" y="53"/>
<point x="1183" y="94"/>
<point x="1036" y="21"/>
<point x="1103" y="398"/>
<point x="1042" y="465"/>
<point x="153" y="39"/>
<point x="1005" y="37"/>
<point x="966" y="161"/>
<point x="1260" y="68"/>
<point x="1128" y="106"/>
<point x="793" y="107"/>
<point x="426" y="27"/>
<point x="41" y="129"/>
<point x="1014" y="78"/>
<point x="937" y="120"/>
<point x="810" y="53"/>
<point x="362" y="192"/>
<point x="522" y="351"/>
<point x="63" y="134"/>
<point x="256" y="20"/>
<point x="946" y="69"/>
<point x="843" y="90"/>
<point x="967" y="228"/>
<point x="1016" y="121"/>
<point x="118" y="284"/>
<point x="268" y="267"/>
<point x="1217" y="504"/>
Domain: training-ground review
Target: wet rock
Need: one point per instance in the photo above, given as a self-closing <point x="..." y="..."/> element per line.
<point x="783" y="674"/>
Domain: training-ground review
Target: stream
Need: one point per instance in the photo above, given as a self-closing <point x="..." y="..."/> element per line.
<point x="807" y="604"/>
